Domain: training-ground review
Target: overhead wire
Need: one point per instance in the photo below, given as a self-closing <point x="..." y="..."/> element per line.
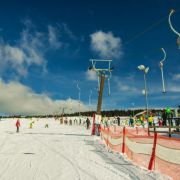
<point x="159" y="21"/>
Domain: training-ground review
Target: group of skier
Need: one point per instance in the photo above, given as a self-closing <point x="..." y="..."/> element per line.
<point x="18" y="124"/>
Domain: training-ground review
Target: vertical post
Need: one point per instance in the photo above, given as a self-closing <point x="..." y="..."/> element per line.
<point x="93" y="125"/>
<point x="79" y="103"/>
<point x="90" y="100"/>
<point x="123" y="143"/>
<point x="79" y="94"/>
<point x="146" y="100"/>
<point x="102" y="79"/>
<point x="145" y="87"/>
<point x="162" y="74"/>
<point x="154" y="128"/>
<point x="169" y="127"/>
<point x="152" y="160"/>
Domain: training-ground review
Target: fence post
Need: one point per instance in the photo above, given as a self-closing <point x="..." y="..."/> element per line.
<point x="154" y="128"/>
<point x="148" y="131"/>
<point x="169" y="129"/>
<point x="152" y="160"/>
<point x="123" y="143"/>
<point x="93" y="125"/>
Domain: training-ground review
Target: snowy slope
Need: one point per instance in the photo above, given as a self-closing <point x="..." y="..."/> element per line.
<point x="60" y="153"/>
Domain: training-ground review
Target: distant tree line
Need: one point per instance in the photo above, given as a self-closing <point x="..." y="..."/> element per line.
<point x="107" y="113"/>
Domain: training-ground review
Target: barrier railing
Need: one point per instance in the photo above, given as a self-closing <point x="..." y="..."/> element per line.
<point x="154" y="151"/>
<point x="166" y="129"/>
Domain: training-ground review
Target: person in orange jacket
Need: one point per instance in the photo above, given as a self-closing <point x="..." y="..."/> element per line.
<point x="17" y="125"/>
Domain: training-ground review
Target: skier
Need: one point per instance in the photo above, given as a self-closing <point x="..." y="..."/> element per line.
<point x="31" y="125"/>
<point x="160" y="122"/>
<point x="17" y="125"/>
<point x="150" y="119"/>
<point x="164" y="117"/>
<point x="70" y="122"/>
<point x="118" y="120"/>
<point x="131" y="121"/>
<point x="87" y="123"/>
<point x="169" y="116"/>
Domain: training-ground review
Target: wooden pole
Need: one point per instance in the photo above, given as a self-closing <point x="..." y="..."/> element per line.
<point x="102" y="79"/>
<point x="123" y="143"/>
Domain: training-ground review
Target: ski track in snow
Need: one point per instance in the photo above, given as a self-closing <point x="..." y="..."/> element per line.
<point x="62" y="156"/>
<point x="61" y="153"/>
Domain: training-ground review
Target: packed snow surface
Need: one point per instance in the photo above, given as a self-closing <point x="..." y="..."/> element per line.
<point x="60" y="152"/>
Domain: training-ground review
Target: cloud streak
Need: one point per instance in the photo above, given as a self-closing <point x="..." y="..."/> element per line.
<point x="176" y="77"/>
<point x="53" y="37"/>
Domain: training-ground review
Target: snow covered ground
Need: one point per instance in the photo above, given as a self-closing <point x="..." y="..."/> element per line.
<point x="60" y="152"/>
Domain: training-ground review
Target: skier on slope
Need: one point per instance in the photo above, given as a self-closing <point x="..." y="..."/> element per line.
<point x="17" y="125"/>
<point x="31" y="124"/>
<point x="87" y="123"/>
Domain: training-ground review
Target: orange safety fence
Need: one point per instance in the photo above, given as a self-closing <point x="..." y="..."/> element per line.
<point x="151" y="151"/>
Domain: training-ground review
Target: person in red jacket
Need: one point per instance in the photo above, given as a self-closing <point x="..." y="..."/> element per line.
<point x="17" y="125"/>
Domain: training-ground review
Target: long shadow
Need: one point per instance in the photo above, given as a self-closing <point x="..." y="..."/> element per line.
<point x="121" y="164"/>
<point x="43" y="133"/>
<point x="62" y="134"/>
<point x="77" y="135"/>
<point x="28" y="153"/>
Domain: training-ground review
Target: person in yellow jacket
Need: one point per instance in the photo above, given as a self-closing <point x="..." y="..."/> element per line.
<point x="150" y="120"/>
<point x="142" y="120"/>
<point x="31" y="124"/>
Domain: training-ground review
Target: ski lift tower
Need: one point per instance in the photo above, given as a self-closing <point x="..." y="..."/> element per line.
<point x="103" y="68"/>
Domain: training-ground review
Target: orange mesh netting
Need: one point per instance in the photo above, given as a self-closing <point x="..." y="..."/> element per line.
<point x="162" y="155"/>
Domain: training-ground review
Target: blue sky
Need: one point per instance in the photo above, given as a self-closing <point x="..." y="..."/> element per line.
<point x="45" y="47"/>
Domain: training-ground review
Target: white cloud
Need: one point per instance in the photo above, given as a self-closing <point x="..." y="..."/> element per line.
<point x="127" y="87"/>
<point x="16" y="98"/>
<point x="27" y="51"/>
<point x="32" y="46"/>
<point x="14" y="54"/>
<point x="53" y="37"/>
<point x="91" y="75"/>
<point x="126" y="84"/>
<point x="106" y="45"/>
